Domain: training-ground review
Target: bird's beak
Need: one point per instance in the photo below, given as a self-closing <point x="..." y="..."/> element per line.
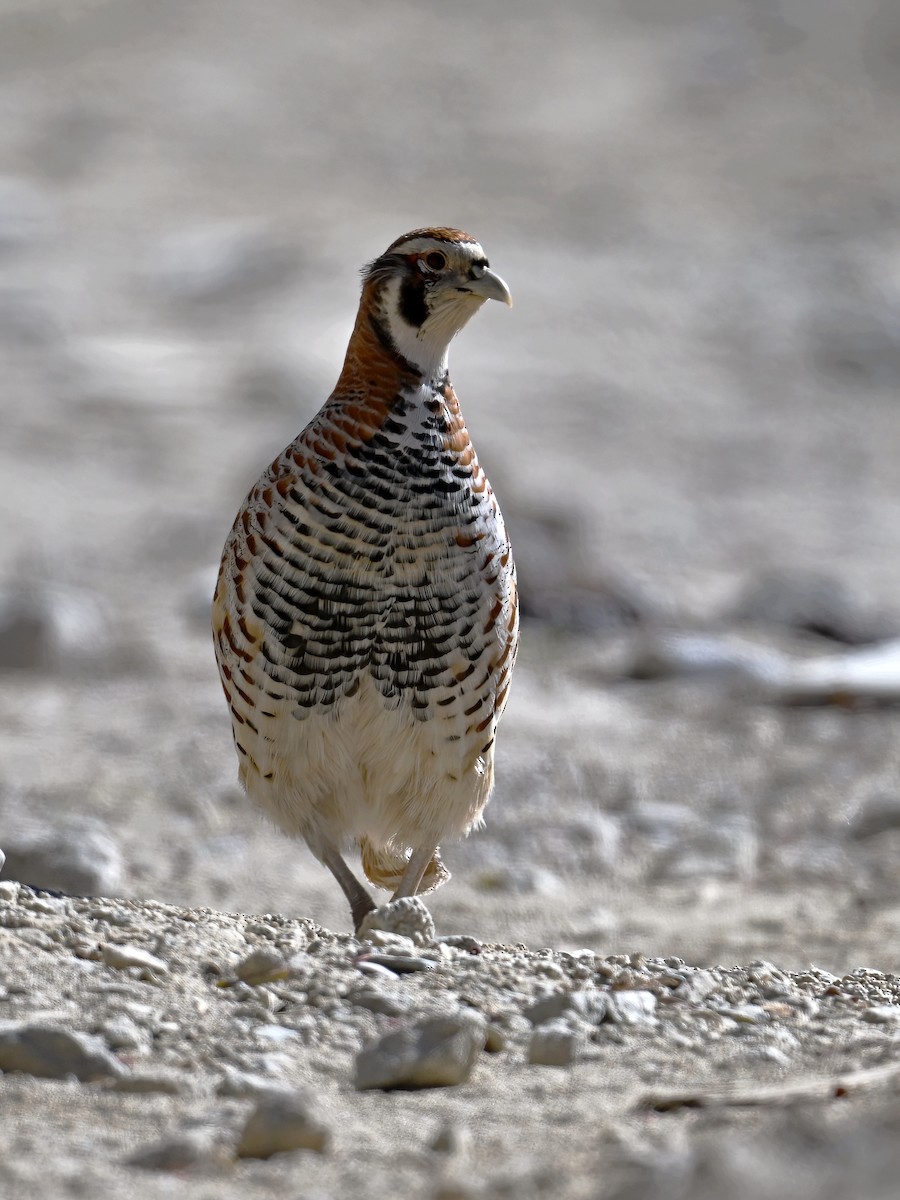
<point x="490" y="287"/>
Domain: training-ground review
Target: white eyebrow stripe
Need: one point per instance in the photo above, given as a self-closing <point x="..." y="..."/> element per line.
<point x="417" y="245"/>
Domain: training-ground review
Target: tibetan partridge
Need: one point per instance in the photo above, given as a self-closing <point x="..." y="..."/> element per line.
<point x="365" y="615"/>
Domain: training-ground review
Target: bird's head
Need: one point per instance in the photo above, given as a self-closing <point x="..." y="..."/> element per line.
<point x="424" y="289"/>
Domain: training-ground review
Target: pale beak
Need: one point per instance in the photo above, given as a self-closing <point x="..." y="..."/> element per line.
<point x="489" y="286"/>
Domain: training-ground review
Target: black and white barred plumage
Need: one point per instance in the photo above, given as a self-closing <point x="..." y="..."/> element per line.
<point x="365" y="615"/>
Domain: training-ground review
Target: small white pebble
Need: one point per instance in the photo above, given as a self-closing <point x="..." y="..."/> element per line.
<point x="554" y="1044"/>
<point x="112" y="916"/>
<point x="48" y="906"/>
<point x="882" y="1014"/>
<point x="375" y="970"/>
<point x="275" y="1033"/>
<point x="631" y="1007"/>
<point x="280" y="1123"/>
<point x="395" y="942"/>
<point x="138" y="1012"/>
<point x="235" y="1082"/>
<point x="121" y="1033"/>
<point x="773" y="1055"/>
<point x="748" y="1014"/>
<point x="122" y="957"/>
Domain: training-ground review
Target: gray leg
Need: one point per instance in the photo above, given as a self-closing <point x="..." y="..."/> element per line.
<point x="361" y="902"/>
<point x="415" y="869"/>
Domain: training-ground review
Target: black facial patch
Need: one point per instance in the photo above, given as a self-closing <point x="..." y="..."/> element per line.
<point x="413" y="309"/>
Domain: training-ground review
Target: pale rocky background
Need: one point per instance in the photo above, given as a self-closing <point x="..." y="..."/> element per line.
<point x="691" y="417"/>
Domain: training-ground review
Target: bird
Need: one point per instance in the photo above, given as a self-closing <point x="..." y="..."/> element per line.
<point x="365" y="616"/>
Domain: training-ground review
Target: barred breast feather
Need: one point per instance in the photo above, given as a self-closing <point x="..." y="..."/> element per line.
<point x="366" y="627"/>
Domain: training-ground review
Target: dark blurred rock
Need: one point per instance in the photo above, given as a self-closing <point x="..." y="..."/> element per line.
<point x="813" y="602"/>
<point x="876" y="815"/>
<point x="27" y="214"/>
<point x="578" y="608"/>
<point x="25" y="635"/>
<point x="26" y="318"/>
<point x="555" y="584"/>
<point x="861" y="346"/>
<point x="62" y="628"/>
<point x="198" y="596"/>
<point x="881" y="44"/>
<point x="73" y="138"/>
<point x="77" y="623"/>
<point x="77" y="856"/>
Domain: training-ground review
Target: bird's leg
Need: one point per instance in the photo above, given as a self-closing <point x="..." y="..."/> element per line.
<point x="361" y="903"/>
<point x="415" y="869"/>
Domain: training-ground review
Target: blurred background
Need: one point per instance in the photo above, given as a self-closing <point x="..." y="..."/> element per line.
<point x="690" y="418"/>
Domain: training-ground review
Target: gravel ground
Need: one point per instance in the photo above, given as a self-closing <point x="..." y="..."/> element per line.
<point x="178" y="1030"/>
<point x="691" y="420"/>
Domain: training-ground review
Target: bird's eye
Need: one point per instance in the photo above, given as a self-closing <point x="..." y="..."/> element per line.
<point x="435" y="260"/>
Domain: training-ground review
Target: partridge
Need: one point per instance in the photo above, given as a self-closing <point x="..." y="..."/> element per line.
<point x="365" y="616"/>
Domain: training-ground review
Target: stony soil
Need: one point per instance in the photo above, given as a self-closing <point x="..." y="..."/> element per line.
<point x="691" y="420"/>
<point x="592" y="1075"/>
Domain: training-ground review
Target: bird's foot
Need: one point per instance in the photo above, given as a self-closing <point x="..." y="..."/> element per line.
<point x="360" y="909"/>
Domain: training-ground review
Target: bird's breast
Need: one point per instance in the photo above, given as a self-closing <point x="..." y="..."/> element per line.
<point x="381" y="556"/>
